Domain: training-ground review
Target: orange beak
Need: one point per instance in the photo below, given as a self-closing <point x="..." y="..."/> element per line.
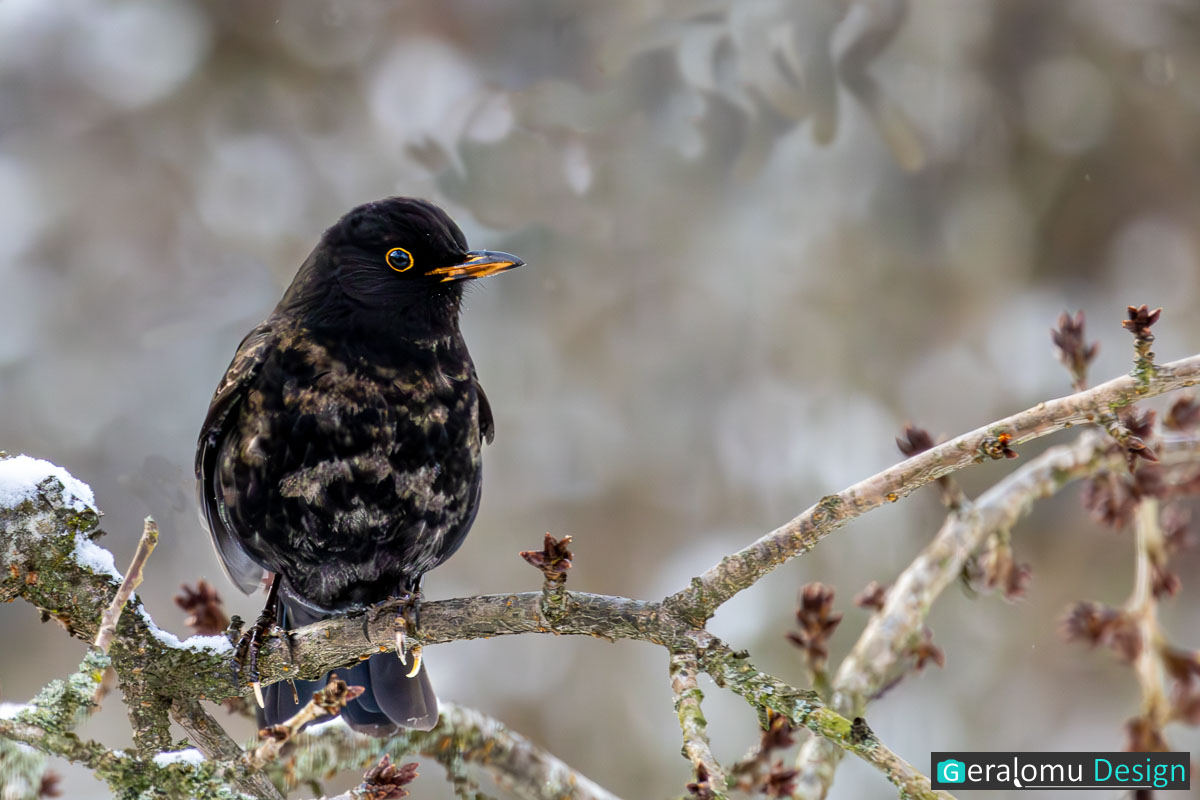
<point x="481" y="264"/>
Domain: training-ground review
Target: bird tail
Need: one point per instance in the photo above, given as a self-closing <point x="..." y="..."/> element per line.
<point x="390" y="700"/>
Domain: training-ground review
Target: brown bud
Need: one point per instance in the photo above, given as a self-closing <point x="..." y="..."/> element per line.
<point x="385" y="780"/>
<point x="779" y="734"/>
<point x="1110" y="499"/>
<point x="1177" y="528"/>
<point x="49" y="785"/>
<point x="926" y="651"/>
<point x="1075" y="353"/>
<point x="779" y="782"/>
<point x="999" y="570"/>
<point x="1184" y="414"/>
<point x="1144" y="736"/>
<point x="872" y="596"/>
<point x="817" y="621"/>
<point x="206" y="613"/>
<point x="554" y="559"/>
<point x="335" y="694"/>
<point x="1182" y="665"/>
<point x="701" y="788"/>
<point x="915" y="440"/>
<point x="1163" y="582"/>
<point x="1099" y="624"/>
<point x="1140" y="320"/>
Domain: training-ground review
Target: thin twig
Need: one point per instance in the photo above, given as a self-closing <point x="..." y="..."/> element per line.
<point x="326" y="702"/>
<point x="1143" y="609"/>
<point x="710" y="777"/>
<point x="112" y="614"/>
<point x="132" y="580"/>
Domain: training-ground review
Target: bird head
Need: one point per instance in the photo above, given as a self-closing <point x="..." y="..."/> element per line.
<point x="397" y="258"/>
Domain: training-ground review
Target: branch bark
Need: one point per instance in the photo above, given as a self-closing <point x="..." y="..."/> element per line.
<point x="742" y="569"/>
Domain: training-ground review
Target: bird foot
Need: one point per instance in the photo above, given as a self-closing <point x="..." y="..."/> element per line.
<point x="407" y="619"/>
<point x="245" y="655"/>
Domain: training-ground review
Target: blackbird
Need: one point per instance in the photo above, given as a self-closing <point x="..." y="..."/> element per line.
<point x="341" y="451"/>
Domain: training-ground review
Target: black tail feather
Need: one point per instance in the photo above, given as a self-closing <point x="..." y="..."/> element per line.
<point x="391" y="699"/>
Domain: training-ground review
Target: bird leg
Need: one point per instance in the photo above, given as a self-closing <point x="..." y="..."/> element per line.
<point x="248" y="647"/>
<point x="408" y="619"/>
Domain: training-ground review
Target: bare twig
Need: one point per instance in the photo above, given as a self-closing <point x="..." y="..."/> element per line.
<point x="132" y="580"/>
<point x="1142" y="609"/>
<point x="112" y="614"/>
<point x="328" y="701"/>
<point x="710" y="781"/>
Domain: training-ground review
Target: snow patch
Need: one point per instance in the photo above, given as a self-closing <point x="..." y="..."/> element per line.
<point x="11" y="710"/>
<point x="329" y="725"/>
<point x="190" y="756"/>
<point x="211" y="644"/>
<point x="94" y="557"/>
<point x="21" y="475"/>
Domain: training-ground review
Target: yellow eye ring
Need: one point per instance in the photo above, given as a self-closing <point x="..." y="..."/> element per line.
<point x="399" y="259"/>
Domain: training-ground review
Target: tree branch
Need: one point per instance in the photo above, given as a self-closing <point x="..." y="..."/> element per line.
<point x="891" y="633"/>
<point x="742" y="569"/>
<point x="804" y="709"/>
<point x="710" y="777"/>
<point x="47" y="557"/>
<point x="473" y="737"/>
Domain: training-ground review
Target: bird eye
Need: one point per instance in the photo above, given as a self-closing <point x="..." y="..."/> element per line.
<point x="399" y="259"/>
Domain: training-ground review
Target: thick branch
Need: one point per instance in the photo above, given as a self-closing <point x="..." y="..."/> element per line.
<point x="216" y="745"/>
<point x="742" y="569"/>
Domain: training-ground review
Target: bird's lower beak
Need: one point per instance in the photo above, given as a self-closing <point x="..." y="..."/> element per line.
<point x="480" y="264"/>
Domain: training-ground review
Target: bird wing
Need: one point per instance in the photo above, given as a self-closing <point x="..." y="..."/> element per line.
<point x="246" y="364"/>
<point x="487" y="423"/>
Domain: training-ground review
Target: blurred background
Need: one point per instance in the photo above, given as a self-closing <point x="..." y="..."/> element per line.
<point x="760" y="238"/>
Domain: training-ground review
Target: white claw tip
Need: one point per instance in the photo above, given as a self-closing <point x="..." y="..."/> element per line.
<point x="416" y="667"/>
<point x="258" y="694"/>
<point x="400" y="647"/>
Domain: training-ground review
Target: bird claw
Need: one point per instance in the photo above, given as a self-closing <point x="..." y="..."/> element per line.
<point x="248" y="647"/>
<point x="406" y="620"/>
<point x="416" y="667"/>
<point x="401" y="627"/>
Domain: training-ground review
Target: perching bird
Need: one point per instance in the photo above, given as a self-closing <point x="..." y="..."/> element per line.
<point x="341" y="452"/>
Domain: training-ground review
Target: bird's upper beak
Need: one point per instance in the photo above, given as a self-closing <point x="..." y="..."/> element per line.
<point x="479" y="264"/>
